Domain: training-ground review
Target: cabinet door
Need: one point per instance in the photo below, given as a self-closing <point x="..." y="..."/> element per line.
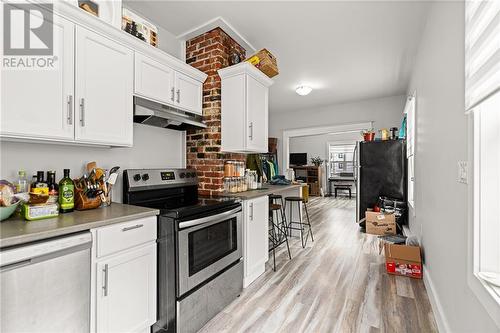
<point x="104" y="90"/>
<point x="153" y="80"/>
<point x="126" y="291"/>
<point x="256" y="236"/>
<point x="257" y="114"/>
<point x="39" y="103"/>
<point x="188" y="93"/>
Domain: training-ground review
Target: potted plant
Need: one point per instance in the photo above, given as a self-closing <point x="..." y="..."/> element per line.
<point x="317" y="161"/>
<point x="368" y="135"/>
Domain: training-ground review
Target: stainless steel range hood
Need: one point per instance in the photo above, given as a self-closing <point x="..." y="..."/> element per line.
<point x="155" y="114"/>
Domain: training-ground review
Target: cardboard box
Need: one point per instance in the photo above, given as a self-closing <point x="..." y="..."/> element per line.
<point x="379" y="223"/>
<point x="403" y="260"/>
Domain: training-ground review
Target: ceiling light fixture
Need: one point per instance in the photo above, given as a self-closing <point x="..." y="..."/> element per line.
<point x="303" y="90"/>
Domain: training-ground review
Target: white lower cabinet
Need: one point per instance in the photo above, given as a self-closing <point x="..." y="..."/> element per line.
<point x="255" y="238"/>
<point x="124" y="282"/>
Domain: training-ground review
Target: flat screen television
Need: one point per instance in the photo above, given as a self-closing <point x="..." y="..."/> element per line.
<point x="298" y="159"/>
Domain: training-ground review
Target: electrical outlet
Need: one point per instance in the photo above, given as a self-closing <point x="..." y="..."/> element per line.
<point x="463" y="172"/>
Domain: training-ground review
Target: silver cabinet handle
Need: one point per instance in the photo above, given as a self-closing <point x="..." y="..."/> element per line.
<point x="70" y="110"/>
<point x="251" y="130"/>
<point x="137" y="226"/>
<point x="251" y="211"/>
<point x="172" y="91"/>
<point x="82" y="112"/>
<point x="178" y="95"/>
<point x="105" y="286"/>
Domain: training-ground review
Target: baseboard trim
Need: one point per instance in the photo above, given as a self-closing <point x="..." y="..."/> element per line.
<point x="437" y="308"/>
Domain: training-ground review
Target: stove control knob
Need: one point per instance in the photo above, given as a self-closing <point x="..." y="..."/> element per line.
<point x="182" y="175"/>
<point x="145" y="177"/>
<point x="188" y="175"/>
<point x="137" y="177"/>
<point x="193" y="174"/>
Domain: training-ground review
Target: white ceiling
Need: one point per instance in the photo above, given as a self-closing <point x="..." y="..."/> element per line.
<point x="346" y="51"/>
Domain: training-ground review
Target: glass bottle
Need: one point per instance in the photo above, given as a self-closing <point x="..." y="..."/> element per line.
<point x="22" y="182"/>
<point x="40" y="186"/>
<point x="53" y="187"/>
<point x="66" y="193"/>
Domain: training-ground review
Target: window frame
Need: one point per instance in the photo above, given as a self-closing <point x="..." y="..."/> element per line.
<point x="410" y="110"/>
<point x="483" y="290"/>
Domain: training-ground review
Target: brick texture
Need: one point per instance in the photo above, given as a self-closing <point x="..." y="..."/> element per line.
<point x="208" y="53"/>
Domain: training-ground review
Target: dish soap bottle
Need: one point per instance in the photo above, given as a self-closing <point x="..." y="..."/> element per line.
<point x="66" y="193"/>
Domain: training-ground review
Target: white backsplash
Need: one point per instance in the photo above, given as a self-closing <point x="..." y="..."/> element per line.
<point x="153" y="148"/>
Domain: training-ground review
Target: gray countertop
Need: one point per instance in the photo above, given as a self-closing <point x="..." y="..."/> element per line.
<point x="266" y="190"/>
<point x="15" y="230"/>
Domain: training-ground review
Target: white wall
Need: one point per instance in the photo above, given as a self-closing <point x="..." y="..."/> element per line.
<point x="385" y="112"/>
<point x="154" y="147"/>
<point x="316" y="145"/>
<point x="166" y="40"/>
<point x="169" y="43"/>
<point x="440" y="201"/>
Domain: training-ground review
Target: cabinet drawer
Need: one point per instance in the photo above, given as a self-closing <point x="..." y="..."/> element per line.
<point x="125" y="235"/>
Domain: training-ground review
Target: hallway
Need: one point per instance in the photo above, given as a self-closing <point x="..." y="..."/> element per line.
<point x="337" y="284"/>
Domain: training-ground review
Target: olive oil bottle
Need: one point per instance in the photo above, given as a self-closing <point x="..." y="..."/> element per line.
<point x="66" y="193"/>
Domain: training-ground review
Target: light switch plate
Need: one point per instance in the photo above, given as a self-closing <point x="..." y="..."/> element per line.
<point x="463" y="172"/>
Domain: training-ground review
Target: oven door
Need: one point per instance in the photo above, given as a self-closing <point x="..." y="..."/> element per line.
<point x="206" y="246"/>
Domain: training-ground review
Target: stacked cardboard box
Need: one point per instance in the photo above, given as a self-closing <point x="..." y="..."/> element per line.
<point x="379" y="223"/>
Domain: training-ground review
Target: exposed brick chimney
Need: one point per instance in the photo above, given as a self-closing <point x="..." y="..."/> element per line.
<point x="210" y="52"/>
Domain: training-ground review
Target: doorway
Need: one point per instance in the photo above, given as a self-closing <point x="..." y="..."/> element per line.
<point x="341" y="169"/>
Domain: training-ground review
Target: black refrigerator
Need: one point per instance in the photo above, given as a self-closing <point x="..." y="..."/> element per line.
<point x="381" y="171"/>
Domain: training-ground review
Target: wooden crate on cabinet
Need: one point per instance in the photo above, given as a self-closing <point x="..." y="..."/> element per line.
<point x="245" y="109"/>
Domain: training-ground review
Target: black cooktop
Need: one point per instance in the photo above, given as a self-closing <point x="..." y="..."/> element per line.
<point x="205" y="205"/>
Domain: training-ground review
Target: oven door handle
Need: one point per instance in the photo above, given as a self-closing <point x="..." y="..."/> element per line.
<point x="208" y="219"/>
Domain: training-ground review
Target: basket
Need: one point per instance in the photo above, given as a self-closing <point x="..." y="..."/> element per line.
<point x="265" y="61"/>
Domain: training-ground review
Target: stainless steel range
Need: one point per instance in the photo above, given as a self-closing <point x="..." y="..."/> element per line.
<point x="199" y="246"/>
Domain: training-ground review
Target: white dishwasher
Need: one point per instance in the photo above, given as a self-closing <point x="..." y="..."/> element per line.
<point x="45" y="286"/>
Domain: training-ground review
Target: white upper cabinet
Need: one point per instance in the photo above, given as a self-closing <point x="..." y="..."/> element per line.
<point x="257" y="95"/>
<point x="188" y="93"/>
<point x="164" y="84"/>
<point x="87" y="98"/>
<point x="39" y="103"/>
<point x="153" y="80"/>
<point x="245" y="109"/>
<point x="104" y="90"/>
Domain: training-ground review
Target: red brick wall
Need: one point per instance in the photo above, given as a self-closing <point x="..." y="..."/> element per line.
<point x="208" y="53"/>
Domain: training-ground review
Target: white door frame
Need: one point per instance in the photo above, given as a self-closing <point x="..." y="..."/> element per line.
<point x="307" y="131"/>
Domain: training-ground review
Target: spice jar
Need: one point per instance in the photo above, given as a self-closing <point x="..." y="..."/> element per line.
<point x="228" y="169"/>
<point x="233" y="188"/>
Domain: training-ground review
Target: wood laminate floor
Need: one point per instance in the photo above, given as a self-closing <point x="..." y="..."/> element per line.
<point x="336" y="284"/>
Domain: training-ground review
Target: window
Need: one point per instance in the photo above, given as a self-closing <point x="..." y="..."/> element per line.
<point x="341" y="162"/>
<point x="487" y="192"/>
<point x="482" y="103"/>
<point x="410" y="147"/>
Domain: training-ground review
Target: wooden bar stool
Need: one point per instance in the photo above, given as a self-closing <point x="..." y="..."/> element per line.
<point x="277" y="231"/>
<point x="299" y="225"/>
